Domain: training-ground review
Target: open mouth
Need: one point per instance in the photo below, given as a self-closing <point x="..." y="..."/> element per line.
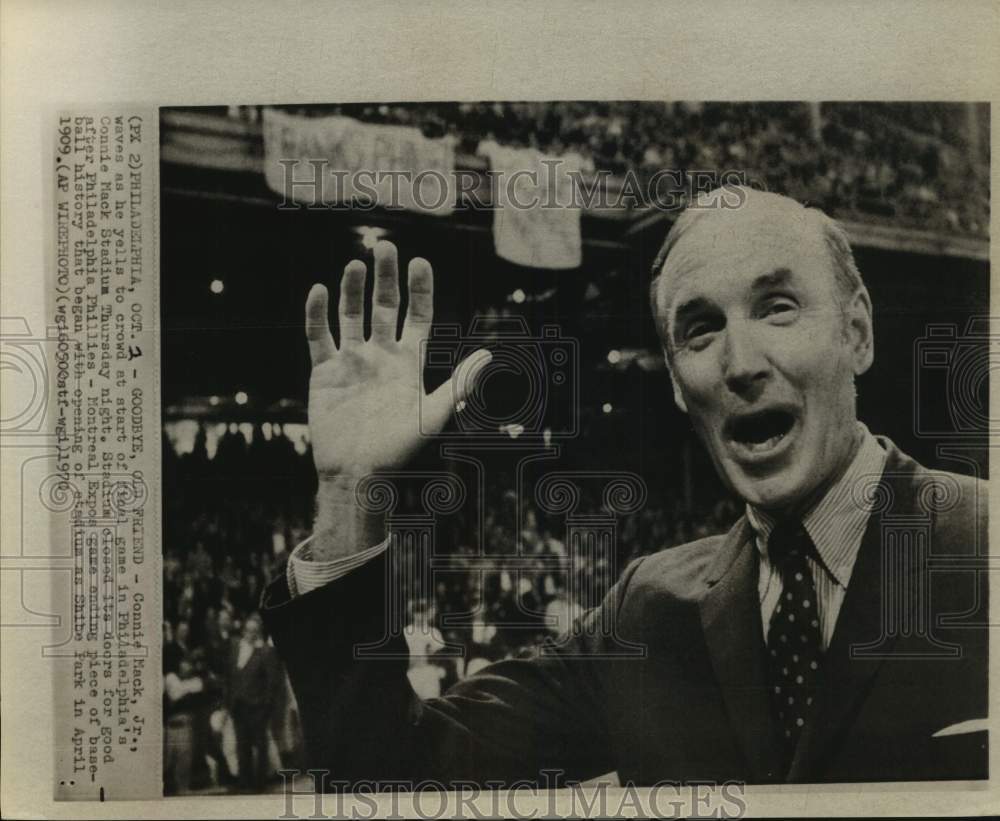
<point x="761" y="431"/>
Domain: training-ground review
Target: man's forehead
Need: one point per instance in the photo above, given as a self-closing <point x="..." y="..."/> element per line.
<point x="738" y="245"/>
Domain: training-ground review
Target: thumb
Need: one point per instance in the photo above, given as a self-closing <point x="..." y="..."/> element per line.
<point x="438" y="406"/>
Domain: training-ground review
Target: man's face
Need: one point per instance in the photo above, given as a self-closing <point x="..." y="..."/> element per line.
<point x="764" y="354"/>
<point x="252" y="627"/>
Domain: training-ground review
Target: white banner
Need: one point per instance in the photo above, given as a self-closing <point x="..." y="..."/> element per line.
<point x="536" y="221"/>
<point x="338" y="160"/>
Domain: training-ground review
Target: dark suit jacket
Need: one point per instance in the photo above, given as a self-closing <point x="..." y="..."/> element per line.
<point x="908" y="658"/>
<point x="256" y="684"/>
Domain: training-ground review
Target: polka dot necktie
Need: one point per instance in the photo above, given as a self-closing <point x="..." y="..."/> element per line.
<point x="794" y="645"/>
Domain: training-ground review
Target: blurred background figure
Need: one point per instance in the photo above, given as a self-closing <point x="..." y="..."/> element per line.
<point x="253" y="693"/>
<point x="183" y="693"/>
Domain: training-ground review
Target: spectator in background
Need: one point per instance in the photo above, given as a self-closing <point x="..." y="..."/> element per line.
<point x="424" y="641"/>
<point x="561" y="612"/>
<point x="220" y="642"/>
<point x="254" y="679"/>
<point x="182" y="691"/>
<point x="175" y="645"/>
<point x="208" y="765"/>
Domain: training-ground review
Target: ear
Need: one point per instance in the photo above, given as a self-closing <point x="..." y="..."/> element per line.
<point x="678" y="396"/>
<point x="860" y="331"/>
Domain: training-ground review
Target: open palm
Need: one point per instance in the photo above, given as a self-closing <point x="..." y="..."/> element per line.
<point x="367" y="407"/>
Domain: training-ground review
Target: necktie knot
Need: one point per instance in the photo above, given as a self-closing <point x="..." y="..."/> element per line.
<point x="788" y="541"/>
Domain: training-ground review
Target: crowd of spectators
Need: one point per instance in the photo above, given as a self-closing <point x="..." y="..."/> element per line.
<point x="923" y="165"/>
<point x="231" y="518"/>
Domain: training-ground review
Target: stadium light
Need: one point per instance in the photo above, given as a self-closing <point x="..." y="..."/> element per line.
<point x="217" y="286"/>
<point x="241" y="397"/>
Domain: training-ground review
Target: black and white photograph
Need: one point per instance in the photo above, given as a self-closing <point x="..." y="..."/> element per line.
<point x="498" y="410"/>
<point x="576" y="442"/>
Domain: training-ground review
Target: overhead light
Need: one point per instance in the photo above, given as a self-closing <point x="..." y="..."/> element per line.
<point x="607" y="407"/>
<point x="241" y="397"/>
<point x="217" y="286"/>
<point x="370" y="235"/>
<point x="519" y="296"/>
<point x="213" y="400"/>
<point x="614" y="357"/>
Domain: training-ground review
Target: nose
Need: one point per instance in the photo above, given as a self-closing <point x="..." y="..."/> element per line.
<point x="745" y="368"/>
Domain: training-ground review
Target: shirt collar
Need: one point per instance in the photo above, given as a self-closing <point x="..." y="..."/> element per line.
<point x="836" y="523"/>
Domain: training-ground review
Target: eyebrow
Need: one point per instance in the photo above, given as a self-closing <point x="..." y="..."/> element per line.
<point x="691" y="307"/>
<point x="779" y="276"/>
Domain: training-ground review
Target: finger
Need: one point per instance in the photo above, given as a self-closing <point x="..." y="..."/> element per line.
<point x="385" y="297"/>
<point x="352" y="303"/>
<point x="438" y="406"/>
<point x="321" y="345"/>
<point x="420" y="312"/>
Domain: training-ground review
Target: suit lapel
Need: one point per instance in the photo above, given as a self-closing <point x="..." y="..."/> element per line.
<point x="730" y="618"/>
<point x="847" y="678"/>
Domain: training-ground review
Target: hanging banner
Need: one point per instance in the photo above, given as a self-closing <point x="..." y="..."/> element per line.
<point x="536" y="221"/>
<point x="339" y="161"/>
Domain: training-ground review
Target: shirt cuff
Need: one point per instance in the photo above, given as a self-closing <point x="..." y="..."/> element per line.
<point x="305" y="574"/>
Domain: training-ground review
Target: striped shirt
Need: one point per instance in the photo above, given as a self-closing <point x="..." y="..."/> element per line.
<point x="836" y="524"/>
<point x="305" y="574"/>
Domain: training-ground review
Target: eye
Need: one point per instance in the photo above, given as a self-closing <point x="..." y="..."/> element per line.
<point x="780" y="309"/>
<point x="699" y="332"/>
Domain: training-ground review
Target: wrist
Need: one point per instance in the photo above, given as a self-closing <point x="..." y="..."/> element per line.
<point x="343" y="527"/>
<point x="335" y="485"/>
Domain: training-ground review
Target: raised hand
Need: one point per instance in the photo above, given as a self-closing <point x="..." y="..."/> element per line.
<point x="367" y="406"/>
